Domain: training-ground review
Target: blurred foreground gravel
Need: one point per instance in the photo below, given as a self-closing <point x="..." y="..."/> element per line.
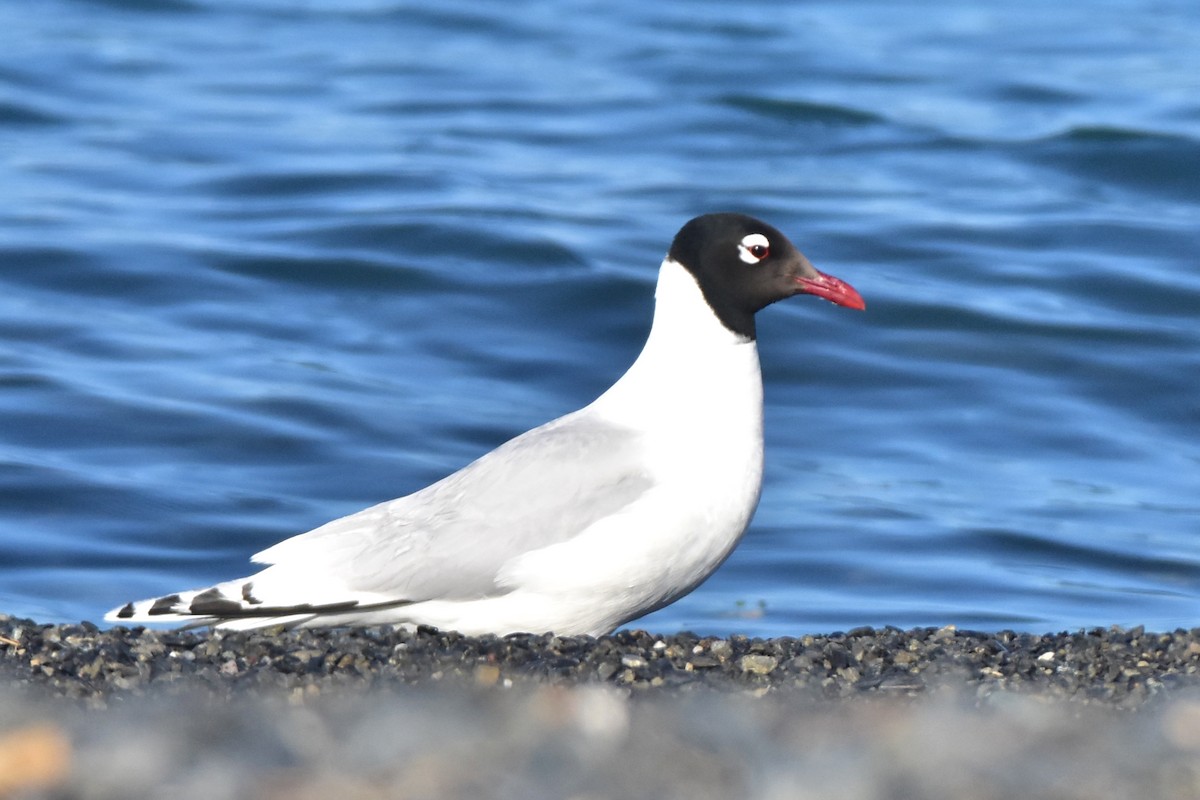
<point x="382" y="713"/>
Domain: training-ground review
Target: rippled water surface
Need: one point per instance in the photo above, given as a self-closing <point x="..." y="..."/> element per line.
<point x="263" y="264"/>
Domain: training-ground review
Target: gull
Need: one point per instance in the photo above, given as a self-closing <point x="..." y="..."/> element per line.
<point x="577" y="526"/>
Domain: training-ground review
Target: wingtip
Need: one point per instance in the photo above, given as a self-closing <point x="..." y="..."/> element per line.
<point x="146" y="610"/>
<point x="122" y="614"/>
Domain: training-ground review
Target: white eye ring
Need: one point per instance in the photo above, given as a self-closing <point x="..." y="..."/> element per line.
<point x="753" y="248"/>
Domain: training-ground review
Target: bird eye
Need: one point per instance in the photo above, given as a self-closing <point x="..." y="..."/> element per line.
<point x="754" y="248"/>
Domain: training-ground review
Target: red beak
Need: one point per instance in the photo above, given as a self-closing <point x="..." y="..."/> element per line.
<point x="832" y="289"/>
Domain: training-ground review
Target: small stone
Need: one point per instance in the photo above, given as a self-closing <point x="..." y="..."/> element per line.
<point x="722" y="649"/>
<point x="487" y="675"/>
<point x="758" y="664"/>
<point x="898" y="680"/>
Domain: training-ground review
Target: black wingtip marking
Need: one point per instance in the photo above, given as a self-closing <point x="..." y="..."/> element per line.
<point x="163" y="605"/>
<point x="211" y="603"/>
<point x="215" y="607"/>
<point x="247" y="594"/>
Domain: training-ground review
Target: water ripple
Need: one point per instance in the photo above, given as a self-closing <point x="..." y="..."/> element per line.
<point x="280" y="262"/>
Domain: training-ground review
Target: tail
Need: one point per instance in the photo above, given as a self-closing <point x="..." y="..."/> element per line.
<point x="235" y="606"/>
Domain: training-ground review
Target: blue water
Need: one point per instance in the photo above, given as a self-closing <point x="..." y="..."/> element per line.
<point x="265" y="263"/>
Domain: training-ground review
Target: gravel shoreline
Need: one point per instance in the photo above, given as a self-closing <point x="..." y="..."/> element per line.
<point x="377" y="712"/>
<point x="1124" y="668"/>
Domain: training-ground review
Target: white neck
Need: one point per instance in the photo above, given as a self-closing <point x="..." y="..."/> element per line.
<point x="682" y="312"/>
<point x="692" y="367"/>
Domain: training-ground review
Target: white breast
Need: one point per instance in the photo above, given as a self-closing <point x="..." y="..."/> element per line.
<point x="695" y="394"/>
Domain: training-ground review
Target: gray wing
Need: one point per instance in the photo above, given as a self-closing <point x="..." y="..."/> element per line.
<point x="449" y="540"/>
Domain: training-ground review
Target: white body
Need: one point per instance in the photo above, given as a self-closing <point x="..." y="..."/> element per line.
<point x="675" y="448"/>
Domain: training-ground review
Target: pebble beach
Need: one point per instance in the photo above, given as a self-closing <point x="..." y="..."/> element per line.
<point x="378" y="712"/>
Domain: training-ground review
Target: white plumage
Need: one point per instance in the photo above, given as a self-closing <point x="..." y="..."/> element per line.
<point x="577" y="526"/>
